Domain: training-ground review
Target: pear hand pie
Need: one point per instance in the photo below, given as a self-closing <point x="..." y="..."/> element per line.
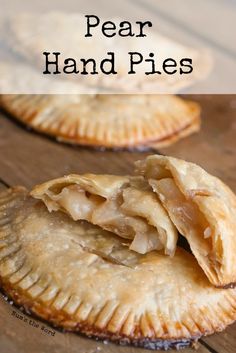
<point x="111" y="121"/>
<point x="85" y="279"/>
<point x="203" y="210"/>
<point x="125" y="206"/>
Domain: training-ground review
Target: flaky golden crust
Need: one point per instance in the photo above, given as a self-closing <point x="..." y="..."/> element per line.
<point x="48" y="264"/>
<point x="111" y="121"/>
<point x="62" y="321"/>
<point x="214" y="245"/>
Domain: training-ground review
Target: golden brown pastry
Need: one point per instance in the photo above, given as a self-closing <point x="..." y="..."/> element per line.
<point x="125" y="206"/>
<point x="81" y="278"/>
<point x="202" y="208"/>
<point x="122" y="121"/>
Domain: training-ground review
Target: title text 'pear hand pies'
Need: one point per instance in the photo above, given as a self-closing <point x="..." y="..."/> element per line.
<point x="125" y="206"/>
<point x="111" y="121"/>
<point x="31" y="34"/>
<point x="84" y="279"/>
<point x="202" y="208"/>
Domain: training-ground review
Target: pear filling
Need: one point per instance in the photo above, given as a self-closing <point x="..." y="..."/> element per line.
<point x="188" y="219"/>
<point x="125" y="214"/>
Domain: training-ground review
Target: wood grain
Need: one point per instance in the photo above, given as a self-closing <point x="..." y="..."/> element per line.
<point x="27" y="158"/>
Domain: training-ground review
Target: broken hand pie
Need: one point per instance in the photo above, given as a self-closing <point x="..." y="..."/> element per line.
<point x="203" y="210"/>
<point x="111" y="121"/>
<point x="48" y="263"/>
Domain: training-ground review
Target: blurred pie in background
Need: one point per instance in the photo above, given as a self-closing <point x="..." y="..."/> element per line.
<point x="111" y="121"/>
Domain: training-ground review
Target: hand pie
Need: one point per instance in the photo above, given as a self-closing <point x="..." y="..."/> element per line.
<point x="125" y="206"/>
<point x="202" y="208"/>
<point x="32" y="34"/>
<point x="111" y="121"/>
<point x="81" y="278"/>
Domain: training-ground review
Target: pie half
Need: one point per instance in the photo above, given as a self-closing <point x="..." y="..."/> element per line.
<point x="125" y="206"/>
<point x="111" y="121"/>
<point x="202" y="208"/>
<point x="84" y="279"/>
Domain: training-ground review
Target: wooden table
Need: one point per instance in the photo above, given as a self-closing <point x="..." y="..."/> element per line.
<point x="27" y="158"/>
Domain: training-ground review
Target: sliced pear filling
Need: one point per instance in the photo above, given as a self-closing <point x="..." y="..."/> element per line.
<point x="110" y="215"/>
<point x="188" y="219"/>
<point x="133" y="212"/>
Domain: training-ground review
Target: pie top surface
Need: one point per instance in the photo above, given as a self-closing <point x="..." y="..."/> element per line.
<point x="123" y="205"/>
<point x="80" y="277"/>
<point x="202" y="208"/>
<point x="107" y="120"/>
<point x="34" y="33"/>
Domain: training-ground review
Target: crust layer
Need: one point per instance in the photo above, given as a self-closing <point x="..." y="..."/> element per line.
<point x="202" y="208"/>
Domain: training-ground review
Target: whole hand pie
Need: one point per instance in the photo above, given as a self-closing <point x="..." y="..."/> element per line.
<point x="123" y="121"/>
<point x="203" y="210"/>
<point x="48" y="263"/>
<point x="125" y="206"/>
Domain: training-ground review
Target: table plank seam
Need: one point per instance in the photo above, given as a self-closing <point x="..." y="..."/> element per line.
<point x="4" y="183"/>
<point x="207" y="346"/>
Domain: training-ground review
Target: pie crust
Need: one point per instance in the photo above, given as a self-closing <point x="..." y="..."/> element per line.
<point x="81" y="278"/>
<point x="111" y="121"/>
<point x="202" y="208"/>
